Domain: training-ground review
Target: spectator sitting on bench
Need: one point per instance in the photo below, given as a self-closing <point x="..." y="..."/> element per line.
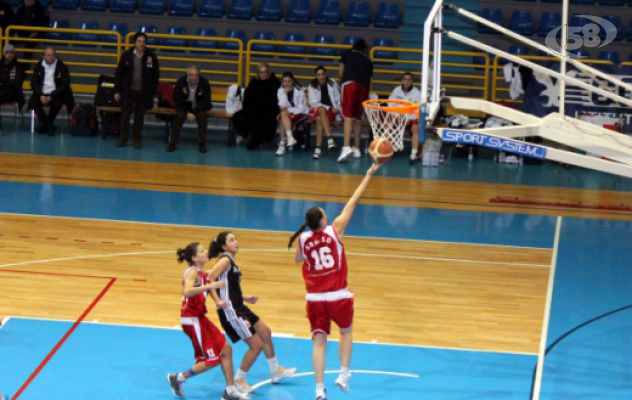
<point x="137" y="76"/>
<point x="407" y="91"/>
<point x="11" y="77"/>
<point x="51" y="87"/>
<point x="293" y="110"/>
<point x="324" y="103"/>
<point x="192" y="97"/>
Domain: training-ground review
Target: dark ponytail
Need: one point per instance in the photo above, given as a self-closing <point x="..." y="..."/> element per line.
<point x="187" y="253"/>
<point x="312" y="221"/>
<point x="217" y="246"/>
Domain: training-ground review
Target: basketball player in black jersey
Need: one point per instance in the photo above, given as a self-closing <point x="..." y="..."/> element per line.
<point x="238" y="321"/>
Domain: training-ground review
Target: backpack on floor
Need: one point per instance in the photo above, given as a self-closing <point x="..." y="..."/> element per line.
<point x="105" y="92"/>
<point x="83" y="121"/>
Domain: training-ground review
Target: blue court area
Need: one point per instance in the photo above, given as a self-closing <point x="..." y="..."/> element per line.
<point x="119" y="362"/>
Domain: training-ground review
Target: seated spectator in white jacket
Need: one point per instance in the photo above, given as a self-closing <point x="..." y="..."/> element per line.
<point x="324" y="102"/>
<point x="407" y="91"/>
<point x="235" y="110"/>
<point x="293" y="110"/>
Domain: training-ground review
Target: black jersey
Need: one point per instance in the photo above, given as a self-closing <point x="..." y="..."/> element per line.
<point x="231" y="292"/>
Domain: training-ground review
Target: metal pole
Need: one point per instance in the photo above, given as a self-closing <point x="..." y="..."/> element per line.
<point x="564" y="57"/>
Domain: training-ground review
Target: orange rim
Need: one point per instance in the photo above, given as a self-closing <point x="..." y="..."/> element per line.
<point x="394" y="106"/>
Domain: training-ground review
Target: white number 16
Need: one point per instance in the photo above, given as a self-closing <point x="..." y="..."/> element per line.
<point x="323" y="258"/>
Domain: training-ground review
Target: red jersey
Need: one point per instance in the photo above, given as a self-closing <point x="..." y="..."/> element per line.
<point x="325" y="265"/>
<point x="195" y="306"/>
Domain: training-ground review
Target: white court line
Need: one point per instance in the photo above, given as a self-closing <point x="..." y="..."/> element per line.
<point x="354" y="371"/>
<point x="276" y="231"/>
<point x="279" y="251"/>
<point x="4" y="321"/>
<point x="286" y="336"/>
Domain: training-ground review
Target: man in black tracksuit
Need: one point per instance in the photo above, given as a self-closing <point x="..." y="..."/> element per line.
<point x="51" y="87"/>
<point x="11" y="77"/>
<point x="192" y="97"/>
<point x="136" y="82"/>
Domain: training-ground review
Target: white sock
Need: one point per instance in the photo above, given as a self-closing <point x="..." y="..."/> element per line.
<point x="413" y="153"/>
<point x="231" y="389"/>
<point x="344" y="370"/>
<point x="180" y="378"/>
<point x="273" y="363"/>
<point x="320" y="387"/>
<point x="240" y="374"/>
<point x="282" y="143"/>
<point x="289" y="134"/>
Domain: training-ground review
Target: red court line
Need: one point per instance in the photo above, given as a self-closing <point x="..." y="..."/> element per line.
<point x="68" y="333"/>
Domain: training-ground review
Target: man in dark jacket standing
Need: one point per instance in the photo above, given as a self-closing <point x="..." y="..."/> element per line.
<point x="51" y="87"/>
<point x="31" y="13"/>
<point x="261" y="106"/>
<point x="192" y="97"/>
<point x="136" y="82"/>
<point x="11" y="77"/>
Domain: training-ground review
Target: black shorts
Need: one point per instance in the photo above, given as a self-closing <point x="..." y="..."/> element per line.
<point x="238" y="324"/>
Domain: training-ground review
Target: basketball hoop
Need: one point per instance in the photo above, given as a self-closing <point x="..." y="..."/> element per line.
<point x="388" y="119"/>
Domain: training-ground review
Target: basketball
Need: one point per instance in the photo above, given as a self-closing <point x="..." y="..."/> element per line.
<point x="381" y="150"/>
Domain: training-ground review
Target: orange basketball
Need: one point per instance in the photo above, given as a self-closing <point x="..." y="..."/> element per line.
<point x="381" y="150"/>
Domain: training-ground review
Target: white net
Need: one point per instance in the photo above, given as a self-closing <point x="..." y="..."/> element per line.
<point x="390" y="121"/>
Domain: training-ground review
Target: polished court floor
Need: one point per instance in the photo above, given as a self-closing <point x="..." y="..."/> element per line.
<point x="450" y="285"/>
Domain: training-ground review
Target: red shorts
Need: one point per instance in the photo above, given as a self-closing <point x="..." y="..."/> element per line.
<point x="331" y="114"/>
<point x="207" y="340"/>
<point x="353" y="94"/>
<point x="295" y="118"/>
<point x="321" y="313"/>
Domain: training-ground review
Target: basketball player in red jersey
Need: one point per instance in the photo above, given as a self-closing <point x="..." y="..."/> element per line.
<point x="325" y="273"/>
<point x="210" y="346"/>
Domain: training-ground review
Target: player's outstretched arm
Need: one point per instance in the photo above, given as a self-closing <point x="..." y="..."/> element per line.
<point x="341" y="222"/>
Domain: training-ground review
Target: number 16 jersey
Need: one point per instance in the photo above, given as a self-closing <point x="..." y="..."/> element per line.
<point x="325" y="265"/>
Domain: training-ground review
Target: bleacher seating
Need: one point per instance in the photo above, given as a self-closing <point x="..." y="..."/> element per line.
<point x="123" y="6"/>
<point x="358" y="13"/>
<point x="94" y="5"/>
<point x="235" y="34"/>
<point x="206" y="44"/>
<point x="611" y="56"/>
<point x="183" y="8"/>
<point x="494" y="15"/>
<point x="66" y="4"/>
<point x="211" y="8"/>
<point x="293" y="37"/>
<point x="59" y="35"/>
<point x="155" y="7"/>
<point x="329" y="12"/>
<point x="581" y="53"/>
<point x="299" y="11"/>
<point x="383" y="42"/>
<point x="325" y="39"/>
<point x="122" y="29"/>
<point x="519" y="50"/>
<point x="617" y="31"/>
<point x="152" y="41"/>
<point x="270" y="10"/>
<point x="612" y="2"/>
<point x="87" y="37"/>
<point x="264" y="47"/>
<point x="240" y="9"/>
<point x="388" y="16"/>
<point x="175" y="30"/>
<point x="522" y="22"/>
<point x="548" y="22"/>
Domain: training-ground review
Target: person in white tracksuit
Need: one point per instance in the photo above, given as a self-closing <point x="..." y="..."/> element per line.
<point x="323" y="95"/>
<point x="293" y="110"/>
<point x="407" y="91"/>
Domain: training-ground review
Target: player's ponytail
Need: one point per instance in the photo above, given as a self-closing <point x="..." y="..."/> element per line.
<point x="217" y="245"/>
<point x="312" y="221"/>
<point x="187" y="253"/>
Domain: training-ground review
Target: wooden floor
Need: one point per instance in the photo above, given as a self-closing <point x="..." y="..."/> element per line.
<point x="470" y="196"/>
<point x="421" y="293"/>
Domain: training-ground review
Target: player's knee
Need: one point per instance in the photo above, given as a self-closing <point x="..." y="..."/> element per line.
<point x="227" y="350"/>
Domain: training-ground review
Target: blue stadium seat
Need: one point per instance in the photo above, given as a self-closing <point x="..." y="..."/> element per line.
<point x="358" y="13"/>
<point x="494" y="15"/>
<point x="264" y="47"/>
<point x="519" y="50"/>
<point x="211" y="8"/>
<point x="388" y="16"/>
<point x="548" y="22"/>
<point x="87" y="37"/>
<point x="155" y="7"/>
<point x="270" y="10"/>
<point x="149" y="29"/>
<point x="577" y="21"/>
<point x="611" y="56"/>
<point x="581" y="53"/>
<point x="324" y="51"/>
<point x="611" y="2"/>
<point x="300" y="11"/>
<point x="618" y="28"/>
<point x="123" y="6"/>
<point x="94" y="5"/>
<point x="115" y="26"/>
<point x="350" y="40"/>
<point x="235" y="34"/>
<point x="59" y="35"/>
<point x="293" y="37"/>
<point x="182" y="8"/>
<point x="328" y="13"/>
<point x="384" y="43"/>
<point x="175" y="30"/>
<point x="522" y="22"/>
<point x="205" y="44"/>
<point x="240" y="9"/>
<point x="66" y="4"/>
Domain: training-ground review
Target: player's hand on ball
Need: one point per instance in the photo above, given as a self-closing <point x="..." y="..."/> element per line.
<point x="251" y="299"/>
